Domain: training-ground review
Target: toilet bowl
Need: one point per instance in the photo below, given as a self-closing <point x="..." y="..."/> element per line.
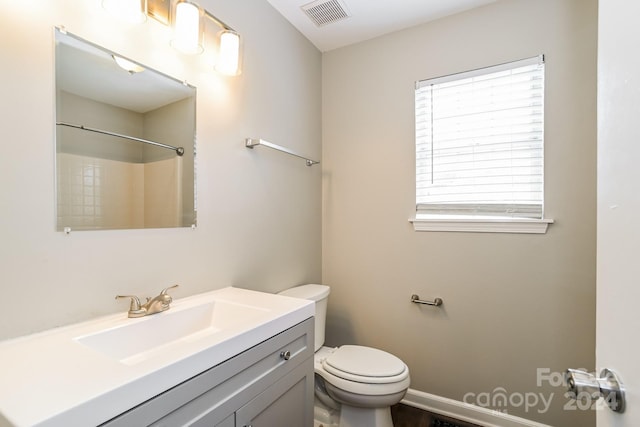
<point x="361" y="382"/>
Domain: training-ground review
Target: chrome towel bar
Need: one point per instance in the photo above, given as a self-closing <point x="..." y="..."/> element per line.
<point x="250" y="143"/>
<point x="436" y="302"/>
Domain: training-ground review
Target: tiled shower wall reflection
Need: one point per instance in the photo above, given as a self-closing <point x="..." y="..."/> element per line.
<point x="95" y="193"/>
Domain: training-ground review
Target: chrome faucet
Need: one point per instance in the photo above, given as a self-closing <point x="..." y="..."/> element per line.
<point x="153" y="305"/>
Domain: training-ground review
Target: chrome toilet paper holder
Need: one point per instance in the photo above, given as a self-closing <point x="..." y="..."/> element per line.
<point x="608" y="386"/>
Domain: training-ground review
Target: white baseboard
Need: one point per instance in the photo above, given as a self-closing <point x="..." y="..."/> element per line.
<point x="464" y="411"/>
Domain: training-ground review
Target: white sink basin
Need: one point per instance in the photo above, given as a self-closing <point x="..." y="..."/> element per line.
<point x="87" y="373"/>
<point x="145" y="337"/>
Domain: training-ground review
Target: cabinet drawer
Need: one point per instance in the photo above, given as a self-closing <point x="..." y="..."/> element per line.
<point x="217" y="392"/>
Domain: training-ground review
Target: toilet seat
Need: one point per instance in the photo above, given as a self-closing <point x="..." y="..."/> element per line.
<point x="354" y="370"/>
<point x="365" y="365"/>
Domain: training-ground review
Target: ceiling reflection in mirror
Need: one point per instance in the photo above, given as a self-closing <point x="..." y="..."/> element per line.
<point x="125" y="142"/>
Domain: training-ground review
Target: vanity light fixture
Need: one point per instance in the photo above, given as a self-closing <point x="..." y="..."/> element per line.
<point x="129" y="66"/>
<point x="132" y="11"/>
<point x="187" y="21"/>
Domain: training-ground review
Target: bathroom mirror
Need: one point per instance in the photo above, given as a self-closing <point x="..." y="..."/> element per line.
<point x="125" y="142"/>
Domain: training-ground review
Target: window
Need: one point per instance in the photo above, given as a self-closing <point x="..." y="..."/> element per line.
<point x="480" y="145"/>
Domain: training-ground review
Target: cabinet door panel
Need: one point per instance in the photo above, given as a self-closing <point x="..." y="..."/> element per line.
<point x="289" y="402"/>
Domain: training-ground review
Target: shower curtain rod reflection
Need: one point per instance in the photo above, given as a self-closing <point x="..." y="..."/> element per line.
<point x="179" y="150"/>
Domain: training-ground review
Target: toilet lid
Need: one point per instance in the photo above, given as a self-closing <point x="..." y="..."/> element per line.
<point x="365" y="364"/>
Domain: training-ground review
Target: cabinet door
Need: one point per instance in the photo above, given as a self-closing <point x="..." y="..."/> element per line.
<point x="288" y="402"/>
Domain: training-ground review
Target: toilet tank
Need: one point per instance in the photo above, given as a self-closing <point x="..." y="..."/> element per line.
<point x="319" y="294"/>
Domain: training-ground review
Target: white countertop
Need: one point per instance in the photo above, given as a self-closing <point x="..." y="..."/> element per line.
<point x="50" y="379"/>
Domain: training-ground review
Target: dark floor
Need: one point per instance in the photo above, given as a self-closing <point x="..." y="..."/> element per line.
<point x="408" y="416"/>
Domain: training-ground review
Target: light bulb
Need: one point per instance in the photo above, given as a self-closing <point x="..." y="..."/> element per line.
<point x="228" y="61"/>
<point x="186" y="28"/>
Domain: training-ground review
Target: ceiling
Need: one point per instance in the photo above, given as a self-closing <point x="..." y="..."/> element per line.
<point x="368" y="18"/>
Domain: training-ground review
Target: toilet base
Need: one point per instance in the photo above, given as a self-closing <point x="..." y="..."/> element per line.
<point x="351" y="416"/>
<point x="325" y="416"/>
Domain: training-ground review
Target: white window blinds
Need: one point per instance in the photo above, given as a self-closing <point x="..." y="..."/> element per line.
<point x="479" y="142"/>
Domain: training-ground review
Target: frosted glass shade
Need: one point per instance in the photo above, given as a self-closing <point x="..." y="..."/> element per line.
<point x="228" y="62"/>
<point x="187" y="28"/>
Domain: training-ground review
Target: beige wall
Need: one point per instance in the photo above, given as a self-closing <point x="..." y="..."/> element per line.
<point x="513" y="302"/>
<point x="258" y="212"/>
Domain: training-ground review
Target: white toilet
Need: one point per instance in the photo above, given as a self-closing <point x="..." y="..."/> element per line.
<point x="361" y="382"/>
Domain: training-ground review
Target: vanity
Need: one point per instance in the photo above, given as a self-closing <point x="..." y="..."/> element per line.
<point x="230" y="357"/>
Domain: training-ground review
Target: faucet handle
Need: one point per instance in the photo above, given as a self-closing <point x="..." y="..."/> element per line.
<point x="135" y="302"/>
<point x="166" y="298"/>
<point x="164" y="291"/>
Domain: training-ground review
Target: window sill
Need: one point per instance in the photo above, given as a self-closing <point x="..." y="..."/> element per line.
<point x="482" y="225"/>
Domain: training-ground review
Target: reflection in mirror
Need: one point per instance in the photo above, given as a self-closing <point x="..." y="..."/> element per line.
<point x="125" y="142"/>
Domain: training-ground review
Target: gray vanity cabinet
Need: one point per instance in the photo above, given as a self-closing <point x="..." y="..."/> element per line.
<point x="268" y="385"/>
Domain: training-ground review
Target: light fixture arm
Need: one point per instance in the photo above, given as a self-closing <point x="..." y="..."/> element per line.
<point x="217" y="21"/>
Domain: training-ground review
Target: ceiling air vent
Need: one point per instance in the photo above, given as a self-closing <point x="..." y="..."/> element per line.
<point x="323" y="12"/>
